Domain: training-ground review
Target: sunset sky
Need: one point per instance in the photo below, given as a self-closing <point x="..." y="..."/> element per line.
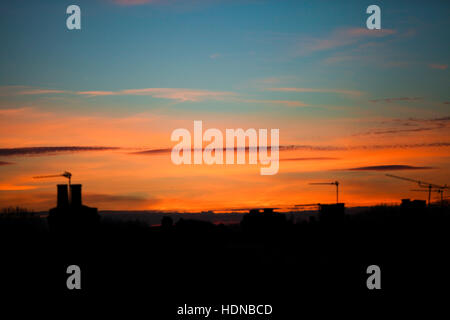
<point x="351" y="104"/>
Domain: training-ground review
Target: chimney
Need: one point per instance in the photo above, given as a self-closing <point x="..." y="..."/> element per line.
<point x="63" y="196"/>
<point x="75" y="192"/>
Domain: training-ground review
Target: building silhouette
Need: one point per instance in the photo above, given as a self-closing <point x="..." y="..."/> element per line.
<point x="331" y="213"/>
<point x="257" y="220"/>
<point x="414" y="204"/>
<point x="70" y="214"/>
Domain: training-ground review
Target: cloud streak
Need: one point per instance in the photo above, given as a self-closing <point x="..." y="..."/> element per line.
<point x="337" y="91"/>
<point x="215" y="56"/>
<point x="339" y="38"/>
<point x="134" y="2"/>
<point x="390" y="100"/>
<point x="391" y="167"/>
<point x="287" y="103"/>
<point x="111" y="198"/>
<point x="39" y="91"/>
<point x="411" y="125"/>
<point x="37" y="151"/>
<point x="177" y="94"/>
<point x="311" y="148"/>
<point x="11" y="187"/>
<point x="438" y="66"/>
<point x="27" y="91"/>
<point x="309" y="159"/>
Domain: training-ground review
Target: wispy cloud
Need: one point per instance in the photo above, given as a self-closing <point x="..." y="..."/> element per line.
<point x="389" y="100"/>
<point x="95" y="93"/>
<point x="371" y="57"/>
<point x="153" y="151"/>
<point x="309" y="159"/>
<point x="287" y="103"/>
<point x="390" y="167"/>
<point x="215" y="56"/>
<point x="5" y="152"/>
<point x="409" y="125"/>
<point x="15" y="111"/>
<point x="39" y="91"/>
<point x="364" y="32"/>
<point x="339" y="38"/>
<point x="312" y="148"/>
<point x="112" y="198"/>
<point x="26" y="90"/>
<point x="362" y="47"/>
<point x="11" y="187"/>
<point x="269" y="80"/>
<point x="135" y="2"/>
<point x="365" y="147"/>
<point x="337" y="91"/>
<point x="177" y="94"/>
<point x="438" y="66"/>
<point x="157" y="2"/>
<point x="3" y="163"/>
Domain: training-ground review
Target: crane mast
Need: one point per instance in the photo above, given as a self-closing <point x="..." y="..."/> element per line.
<point x="336" y="183"/>
<point x="422" y="184"/>
<point x="65" y="174"/>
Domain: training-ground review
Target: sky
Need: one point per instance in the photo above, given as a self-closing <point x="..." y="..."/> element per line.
<point x="351" y="104"/>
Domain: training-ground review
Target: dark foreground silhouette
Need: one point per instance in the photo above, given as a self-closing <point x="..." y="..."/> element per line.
<point x="266" y="259"/>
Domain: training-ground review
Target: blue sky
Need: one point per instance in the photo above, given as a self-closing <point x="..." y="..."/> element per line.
<point x="222" y="45"/>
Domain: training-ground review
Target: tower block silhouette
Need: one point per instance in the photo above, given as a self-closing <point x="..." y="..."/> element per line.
<point x="70" y="214"/>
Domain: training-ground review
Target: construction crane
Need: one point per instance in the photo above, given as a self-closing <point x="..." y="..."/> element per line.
<point x="441" y="191"/>
<point x="422" y="184"/>
<point x="65" y="174"/>
<point x="336" y="183"/>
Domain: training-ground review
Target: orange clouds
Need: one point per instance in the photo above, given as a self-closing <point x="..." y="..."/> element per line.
<point x="10" y="187"/>
<point x="117" y="179"/>
<point x="30" y="127"/>
<point x="96" y="93"/>
<point x="39" y="91"/>
<point x="26" y="90"/>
